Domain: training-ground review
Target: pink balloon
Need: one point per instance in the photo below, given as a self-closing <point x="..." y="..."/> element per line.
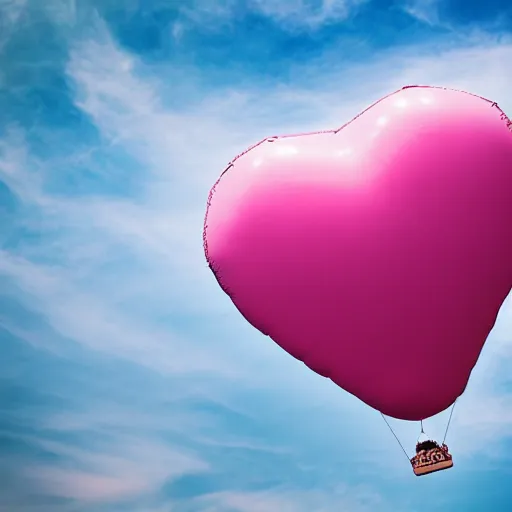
<point x="378" y="253"/>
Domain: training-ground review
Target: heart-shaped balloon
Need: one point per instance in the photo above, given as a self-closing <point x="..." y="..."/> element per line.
<point x="378" y="253"/>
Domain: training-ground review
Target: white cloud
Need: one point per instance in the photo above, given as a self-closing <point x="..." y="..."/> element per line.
<point x="306" y="15"/>
<point x="10" y="13"/>
<point x="339" y="499"/>
<point x="123" y="469"/>
<point x="426" y="11"/>
<point x="292" y="15"/>
<point x="88" y="319"/>
<point x="15" y="167"/>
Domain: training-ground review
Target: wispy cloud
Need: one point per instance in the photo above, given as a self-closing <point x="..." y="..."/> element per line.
<point x="88" y="319"/>
<point x="424" y="10"/>
<point x="305" y="15"/>
<point x="293" y="500"/>
<point x="120" y="469"/>
<point x="10" y="13"/>
<point x="125" y="469"/>
<point x="292" y="15"/>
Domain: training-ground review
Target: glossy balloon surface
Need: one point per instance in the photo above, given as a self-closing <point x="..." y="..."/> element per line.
<point x="378" y="253"/>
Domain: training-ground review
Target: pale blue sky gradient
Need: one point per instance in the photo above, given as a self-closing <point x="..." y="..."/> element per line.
<point x="128" y="381"/>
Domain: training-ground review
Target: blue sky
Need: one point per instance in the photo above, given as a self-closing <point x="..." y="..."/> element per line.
<point x="128" y="381"/>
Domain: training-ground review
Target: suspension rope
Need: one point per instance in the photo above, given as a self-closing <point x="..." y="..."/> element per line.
<point x="449" y="421"/>
<point x="398" y="440"/>
<point x="422" y="431"/>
